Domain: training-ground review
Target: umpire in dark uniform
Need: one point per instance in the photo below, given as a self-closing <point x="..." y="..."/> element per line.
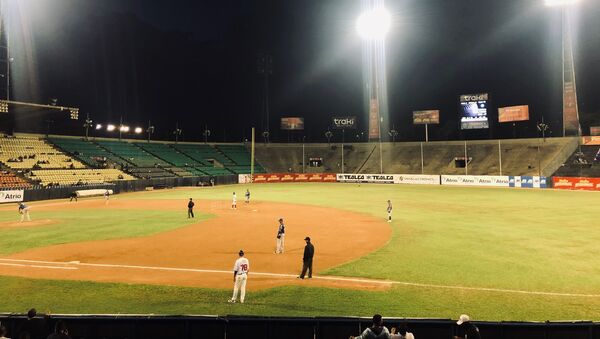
<point x="190" y="209"/>
<point x="307" y="259"/>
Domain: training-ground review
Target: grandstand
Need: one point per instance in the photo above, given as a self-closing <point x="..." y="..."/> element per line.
<point x="77" y="177"/>
<point x="10" y="180"/>
<point x="519" y="157"/>
<point x="33" y="153"/>
<point x="584" y="162"/>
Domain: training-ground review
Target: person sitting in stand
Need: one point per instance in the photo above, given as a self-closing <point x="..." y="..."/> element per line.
<point x="376" y="331"/>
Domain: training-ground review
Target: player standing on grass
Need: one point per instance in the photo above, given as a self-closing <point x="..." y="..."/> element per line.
<point x="280" y="237"/>
<point x="24" y="211"/>
<point x="240" y="275"/>
<point x="190" y="209"/>
<point x="247" y="196"/>
<point x="389" y="211"/>
<point x="234" y="201"/>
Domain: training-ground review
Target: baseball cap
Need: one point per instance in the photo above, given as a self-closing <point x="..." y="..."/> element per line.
<point x="462" y="319"/>
<point x="241" y="253"/>
<point x="307" y="238"/>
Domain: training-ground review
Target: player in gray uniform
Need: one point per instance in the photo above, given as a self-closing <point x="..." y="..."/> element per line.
<point x="24" y="212"/>
<point x="389" y="210"/>
<point x="280" y="237"/>
<point x="247" y="194"/>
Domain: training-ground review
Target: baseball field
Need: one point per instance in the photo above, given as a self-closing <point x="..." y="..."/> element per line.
<point x="493" y="253"/>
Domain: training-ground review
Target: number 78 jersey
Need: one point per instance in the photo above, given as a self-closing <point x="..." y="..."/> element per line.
<point x="241" y="266"/>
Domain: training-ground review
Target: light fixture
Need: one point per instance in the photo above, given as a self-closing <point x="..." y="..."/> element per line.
<point x="110" y="127"/>
<point x="138" y="130"/>
<point x="98" y="126"/>
<point x="374" y="24"/>
<point x="124" y="128"/>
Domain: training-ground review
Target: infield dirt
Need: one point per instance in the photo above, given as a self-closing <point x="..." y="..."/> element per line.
<point x="338" y="236"/>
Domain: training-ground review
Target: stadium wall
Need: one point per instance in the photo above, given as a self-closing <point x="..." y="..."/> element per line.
<point x="233" y="327"/>
<point x="62" y="192"/>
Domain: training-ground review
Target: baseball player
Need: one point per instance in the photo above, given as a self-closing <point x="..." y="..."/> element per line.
<point x="280" y="237"/>
<point x="247" y="196"/>
<point x="234" y="201"/>
<point x="190" y="209"/>
<point x="389" y="211"/>
<point x="72" y="196"/>
<point x="24" y="212"/>
<point x="240" y="274"/>
<point x="106" y="194"/>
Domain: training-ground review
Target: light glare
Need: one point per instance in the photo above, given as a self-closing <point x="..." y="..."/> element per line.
<point x="124" y="128"/>
<point x="110" y="127"/>
<point x="98" y="126"/>
<point x="374" y="24"/>
<point x="138" y="130"/>
<point x="560" y="2"/>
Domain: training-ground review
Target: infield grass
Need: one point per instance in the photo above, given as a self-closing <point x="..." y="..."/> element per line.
<point x="517" y="239"/>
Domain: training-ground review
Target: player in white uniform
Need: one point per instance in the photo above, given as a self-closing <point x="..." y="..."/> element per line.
<point x="280" y="237"/>
<point x="24" y="212"/>
<point x="389" y="210"/>
<point x="240" y="274"/>
<point x="234" y="201"/>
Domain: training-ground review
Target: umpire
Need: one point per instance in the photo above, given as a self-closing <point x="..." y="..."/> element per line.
<point x="190" y="209"/>
<point x="307" y="259"/>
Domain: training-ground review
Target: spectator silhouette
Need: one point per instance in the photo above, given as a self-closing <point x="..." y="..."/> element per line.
<point x="34" y="327"/>
<point x="376" y="331"/>
<point x="3" y="332"/>
<point x="60" y="331"/>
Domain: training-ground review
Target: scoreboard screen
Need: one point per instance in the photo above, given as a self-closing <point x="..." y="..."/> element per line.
<point x="474" y="111"/>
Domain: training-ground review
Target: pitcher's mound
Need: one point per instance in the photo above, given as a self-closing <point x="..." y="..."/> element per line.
<point x="33" y="223"/>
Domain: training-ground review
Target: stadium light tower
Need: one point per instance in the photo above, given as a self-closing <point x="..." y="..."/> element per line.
<point x="372" y="26"/>
<point x="571" y="124"/>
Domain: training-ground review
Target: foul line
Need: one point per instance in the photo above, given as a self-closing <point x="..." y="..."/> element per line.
<point x="71" y="265"/>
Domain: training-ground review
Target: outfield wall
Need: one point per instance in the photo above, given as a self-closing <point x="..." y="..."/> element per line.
<point x="62" y="192"/>
<point x="412" y="179"/>
<point x="234" y="327"/>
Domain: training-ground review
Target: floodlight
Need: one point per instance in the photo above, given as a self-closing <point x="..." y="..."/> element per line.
<point x="138" y="130"/>
<point x="98" y="126"/>
<point x="124" y="128"/>
<point x="560" y="2"/>
<point x="110" y="127"/>
<point x="374" y="24"/>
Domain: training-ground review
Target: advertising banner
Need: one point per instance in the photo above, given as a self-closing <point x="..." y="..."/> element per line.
<point x="366" y="178"/>
<point x="11" y="196"/>
<point x="344" y="122"/>
<point x="416" y="179"/>
<point x="292" y="123"/>
<point x="513" y="113"/>
<point x="429" y="117"/>
<point x="473" y="111"/>
<point x="294" y="177"/>
<point x="595" y="130"/>
<point x="576" y="183"/>
<point x="476" y="180"/>
<point x="244" y="178"/>
<point x="374" y="119"/>
<point x="528" y="181"/>
<point x="593" y="140"/>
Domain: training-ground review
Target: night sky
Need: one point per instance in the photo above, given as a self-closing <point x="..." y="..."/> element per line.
<point x="194" y="63"/>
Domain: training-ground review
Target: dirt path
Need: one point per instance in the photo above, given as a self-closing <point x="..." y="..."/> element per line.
<point x="205" y="252"/>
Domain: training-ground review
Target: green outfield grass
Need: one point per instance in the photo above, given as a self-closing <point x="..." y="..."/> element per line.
<point x="515" y="239"/>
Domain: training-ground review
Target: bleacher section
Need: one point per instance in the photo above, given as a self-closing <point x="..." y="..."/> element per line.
<point x="10" y="180"/>
<point x="210" y="160"/>
<point x="584" y="163"/>
<point x="130" y="152"/>
<point x="240" y="157"/>
<point x="28" y="153"/>
<point x="519" y="157"/>
<point x="88" y="152"/>
<point x="77" y="177"/>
